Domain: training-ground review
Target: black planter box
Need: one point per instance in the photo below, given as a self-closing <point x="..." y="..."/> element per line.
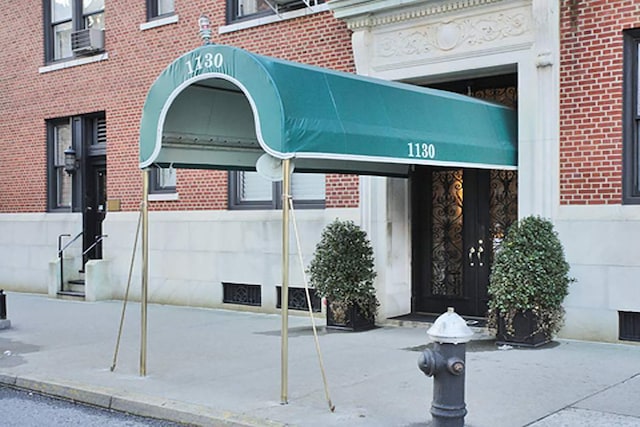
<point x="525" y="325"/>
<point x="347" y="318"/>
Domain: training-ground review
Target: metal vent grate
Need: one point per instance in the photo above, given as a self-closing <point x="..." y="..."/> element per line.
<point x="240" y="293"/>
<point x="101" y="126"/>
<point x="629" y="326"/>
<point x="87" y="41"/>
<point x="298" y="299"/>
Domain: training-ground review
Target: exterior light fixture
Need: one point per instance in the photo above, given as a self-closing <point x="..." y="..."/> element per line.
<point x="70" y="161"/>
<point x="205" y="28"/>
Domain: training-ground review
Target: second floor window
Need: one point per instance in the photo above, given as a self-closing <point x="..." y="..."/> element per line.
<point x="63" y="18"/>
<point x="159" y="8"/>
<point x="240" y="10"/>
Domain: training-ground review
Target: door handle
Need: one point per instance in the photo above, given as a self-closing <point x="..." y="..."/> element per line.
<point x="472" y="250"/>
<point x="480" y="252"/>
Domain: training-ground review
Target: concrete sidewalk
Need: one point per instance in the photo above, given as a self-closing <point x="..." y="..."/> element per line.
<point x="218" y="367"/>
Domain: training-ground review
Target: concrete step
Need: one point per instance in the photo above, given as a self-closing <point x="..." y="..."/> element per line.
<point x="76" y="285"/>
<point x="71" y="295"/>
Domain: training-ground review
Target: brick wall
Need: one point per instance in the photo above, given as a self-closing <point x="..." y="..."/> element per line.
<point x="591" y="98"/>
<point x="119" y="86"/>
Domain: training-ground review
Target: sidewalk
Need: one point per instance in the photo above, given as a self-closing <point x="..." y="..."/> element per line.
<point x="218" y="367"/>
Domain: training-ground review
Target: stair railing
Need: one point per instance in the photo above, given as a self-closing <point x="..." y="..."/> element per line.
<point x="61" y="254"/>
<point x="98" y="239"/>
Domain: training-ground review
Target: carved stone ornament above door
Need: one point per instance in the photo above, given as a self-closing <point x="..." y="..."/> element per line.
<point x="391" y="34"/>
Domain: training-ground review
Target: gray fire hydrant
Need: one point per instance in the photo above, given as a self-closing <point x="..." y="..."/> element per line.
<point x="446" y="364"/>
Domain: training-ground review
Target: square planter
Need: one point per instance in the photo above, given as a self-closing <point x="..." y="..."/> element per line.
<point x="525" y="325"/>
<point x="349" y="318"/>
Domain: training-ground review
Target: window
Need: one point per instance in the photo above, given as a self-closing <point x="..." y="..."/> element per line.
<point x="162" y="180"/>
<point x="631" y="118"/>
<point x="239" y="10"/>
<point x="62" y="18"/>
<point x="248" y="190"/>
<point x="61" y="180"/>
<point x="159" y="8"/>
<point x="87" y="135"/>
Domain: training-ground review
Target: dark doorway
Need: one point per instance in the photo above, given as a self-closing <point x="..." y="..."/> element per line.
<point x="458" y="216"/>
<point x="95" y="208"/>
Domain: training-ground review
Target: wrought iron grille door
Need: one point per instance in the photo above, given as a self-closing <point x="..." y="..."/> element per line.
<point x="458" y="216"/>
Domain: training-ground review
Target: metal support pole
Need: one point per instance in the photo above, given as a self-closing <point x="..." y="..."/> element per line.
<point x="145" y="272"/>
<point x="286" y="187"/>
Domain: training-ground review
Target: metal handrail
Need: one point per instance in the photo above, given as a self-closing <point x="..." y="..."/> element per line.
<point x="61" y="254"/>
<point x="99" y="239"/>
<point x="60" y="251"/>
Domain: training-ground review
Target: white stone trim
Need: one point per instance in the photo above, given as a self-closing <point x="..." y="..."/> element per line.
<point x="163" y="197"/>
<point x="159" y="22"/>
<point x="371" y="13"/>
<point x="73" y="63"/>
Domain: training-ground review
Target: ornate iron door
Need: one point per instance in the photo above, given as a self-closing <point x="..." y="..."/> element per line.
<point x="458" y="216"/>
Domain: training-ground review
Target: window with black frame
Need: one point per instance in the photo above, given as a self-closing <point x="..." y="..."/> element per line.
<point x="159" y="8"/>
<point x="248" y="190"/>
<point x="162" y="180"/>
<point x="60" y="182"/>
<point x="631" y="118"/>
<point x="73" y="27"/>
<point x="241" y="10"/>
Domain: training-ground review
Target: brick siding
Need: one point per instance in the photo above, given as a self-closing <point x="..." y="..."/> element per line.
<point x="119" y="86"/>
<point x="591" y="51"/>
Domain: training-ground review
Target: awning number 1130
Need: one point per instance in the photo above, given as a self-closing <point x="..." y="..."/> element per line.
<point x="421" y="150"/>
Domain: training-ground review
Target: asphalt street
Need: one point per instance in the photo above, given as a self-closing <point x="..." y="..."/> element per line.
<point x="27" y="409"/>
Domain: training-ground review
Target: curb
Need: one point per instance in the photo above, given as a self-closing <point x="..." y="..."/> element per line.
<point x="141" y="405"/>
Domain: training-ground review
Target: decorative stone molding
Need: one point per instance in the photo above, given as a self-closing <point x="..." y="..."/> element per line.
<point x="449" y="35"/>
<point x="373" y="13"/>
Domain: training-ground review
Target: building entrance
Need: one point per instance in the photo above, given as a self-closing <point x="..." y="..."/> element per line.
<point x="458" y="217"/>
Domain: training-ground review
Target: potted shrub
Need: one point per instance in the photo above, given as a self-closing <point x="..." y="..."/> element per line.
<point x="342" y="271"/>
<point x="529" y="280"/>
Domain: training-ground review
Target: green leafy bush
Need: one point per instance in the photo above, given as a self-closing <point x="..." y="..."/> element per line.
<point x="530" y="273"/>
<point x="342" y="269"/>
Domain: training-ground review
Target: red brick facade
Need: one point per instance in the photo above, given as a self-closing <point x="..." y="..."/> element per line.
<point x="119" y="86"/>
<point x="591" y="98"/>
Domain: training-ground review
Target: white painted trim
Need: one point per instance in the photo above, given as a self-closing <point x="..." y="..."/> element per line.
<point x="73" y="63"/>
<point x="264" y="20"/>
<point x="163" y="197"/>
<point x="603" y="213"/>
<point x="159" y="22"/>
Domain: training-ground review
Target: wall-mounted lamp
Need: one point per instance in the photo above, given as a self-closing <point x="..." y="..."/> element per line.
<point x="205" y="28"/>
<point x="70" y="161"/>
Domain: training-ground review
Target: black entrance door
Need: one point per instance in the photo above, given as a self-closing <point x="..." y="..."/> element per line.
<point x="458" y="215"/>
<point x="95" y="208"/>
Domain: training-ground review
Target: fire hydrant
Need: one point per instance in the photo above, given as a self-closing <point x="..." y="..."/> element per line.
<point x="446" y="364"/>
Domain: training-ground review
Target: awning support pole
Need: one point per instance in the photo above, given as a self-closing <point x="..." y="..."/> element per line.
<point x="145" y="272"/>
<point x="286" y="186"/>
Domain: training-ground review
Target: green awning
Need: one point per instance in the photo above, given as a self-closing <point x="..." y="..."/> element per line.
<point x="222" y="107"/>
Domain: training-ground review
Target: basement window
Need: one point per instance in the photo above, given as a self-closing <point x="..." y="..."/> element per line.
<point x="629" y="326"/>
<point x="241" y="293"/>
<point x="298" y="299"/>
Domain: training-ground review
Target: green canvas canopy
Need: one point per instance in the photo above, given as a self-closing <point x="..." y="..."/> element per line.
<point x="222" y="107"/>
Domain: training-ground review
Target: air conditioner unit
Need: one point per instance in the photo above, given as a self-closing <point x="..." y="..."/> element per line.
<point x="87" y="41"/>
